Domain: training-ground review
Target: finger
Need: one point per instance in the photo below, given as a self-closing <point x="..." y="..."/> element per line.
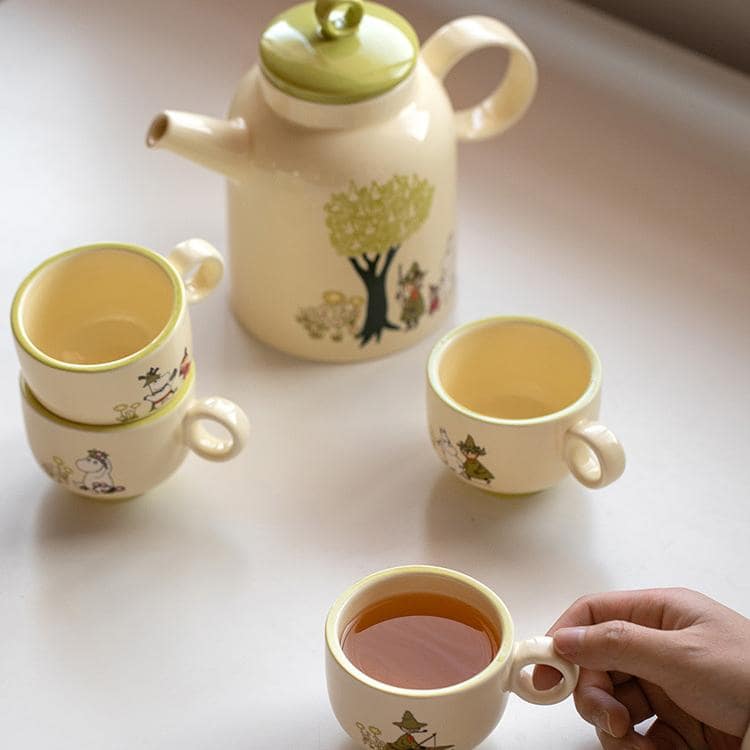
<point x="619" y="677"/>
<point x="624" y="647"/>
<point x="545" y="677"/>
<point x="673" y="717"/>
<point x="631" y="741"/>
<point x="653" y="608"/>
<point x="717" y="740"/>
<point x="631" y="695"/>
<point x="665" y="736"/>
<point x="596" y="704"/>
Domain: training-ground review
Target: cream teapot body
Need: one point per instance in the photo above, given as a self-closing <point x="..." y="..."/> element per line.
<point x="298" y="282"/>
<point x="342" y="216"/>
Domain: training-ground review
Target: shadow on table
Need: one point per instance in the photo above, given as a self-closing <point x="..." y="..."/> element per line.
<point x="153" y="543"/>
<point x="64" y="516"/>
<point x="543" y="537"/>
<point x="162" y="522"/>
<point x="132" y="586"/>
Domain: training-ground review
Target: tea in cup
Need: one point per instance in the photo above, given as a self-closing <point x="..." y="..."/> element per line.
<point x="116" y="462"/>
<point x="432" y="652"/>
<point x="513" y="403"/>
<point x="103" y="332"/>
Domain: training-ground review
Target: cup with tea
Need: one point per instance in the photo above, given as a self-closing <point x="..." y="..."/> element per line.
<point x="422" y="655"/>
<point x="103" y="331"/>
<point x="513" y="406"/>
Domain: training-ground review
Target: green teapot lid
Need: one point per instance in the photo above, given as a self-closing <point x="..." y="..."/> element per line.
<point x="338" y="51"/>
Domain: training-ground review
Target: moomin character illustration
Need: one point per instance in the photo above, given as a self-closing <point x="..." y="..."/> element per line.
<point x="96" y="468"/>
<point x="448" y="452"/>
<point x="185" y="364"/>
<point x="407" y="741"/>
<point x="442" y="291"/>
<point x="367" y="224"/>
<point x="159" y="386"/>
<point x="335" y="316"/>
<point x="410" y="295"/>
<point x="472" y="467"/>
<point x="434" y="299"/>
<point x="58" y="470"/>
<point x="127" y="412"/>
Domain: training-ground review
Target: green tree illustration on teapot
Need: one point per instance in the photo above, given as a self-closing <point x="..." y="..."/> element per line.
<point x="371" y="222"/>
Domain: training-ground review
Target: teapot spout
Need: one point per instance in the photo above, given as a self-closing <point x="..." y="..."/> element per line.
<point x="220" y="145"/>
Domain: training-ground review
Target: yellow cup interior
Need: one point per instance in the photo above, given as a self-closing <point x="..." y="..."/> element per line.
<point x="96" y="305"/>
<point x="514" y="369"/>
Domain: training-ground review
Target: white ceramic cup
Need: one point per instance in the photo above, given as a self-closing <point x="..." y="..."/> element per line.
<point x="513" y="403"/>
<point x="116" y="462"/>
<point x="103" y="332"/>
<point x="460" y="715"/>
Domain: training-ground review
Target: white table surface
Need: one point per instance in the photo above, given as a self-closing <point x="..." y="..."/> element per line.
<point x="191" y="618"/>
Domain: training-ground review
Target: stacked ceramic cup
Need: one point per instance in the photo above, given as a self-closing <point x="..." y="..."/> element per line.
<point x="107" y="378"/>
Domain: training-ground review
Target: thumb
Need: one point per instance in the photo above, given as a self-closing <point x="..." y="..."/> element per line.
<point x="622" y="647"/>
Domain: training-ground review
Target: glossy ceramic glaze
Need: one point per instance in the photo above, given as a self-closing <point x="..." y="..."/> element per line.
<point x="461" y="715"/>
<point x="103" y="331"/>
<point x="512" y="407"/>
<point x="326" y="53"/>
<point x="342" y="216"/>
<point x="116" y="462"/>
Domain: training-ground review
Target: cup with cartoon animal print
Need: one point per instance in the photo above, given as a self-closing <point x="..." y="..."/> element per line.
<point x="103" y="331"/>
<point x="116" y="462"/>
<point x="421" y="656"/>
<point x="513" y="406"/>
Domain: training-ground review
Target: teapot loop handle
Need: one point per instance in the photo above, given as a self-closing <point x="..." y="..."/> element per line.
<point x="510" y="100"/>
<point x="338" y="17"/>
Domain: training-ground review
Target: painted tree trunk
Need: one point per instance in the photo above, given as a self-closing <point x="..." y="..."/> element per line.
<point x="377" y="300"/>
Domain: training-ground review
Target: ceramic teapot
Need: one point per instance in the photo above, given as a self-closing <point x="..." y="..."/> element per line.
<point x="340" y="154"/>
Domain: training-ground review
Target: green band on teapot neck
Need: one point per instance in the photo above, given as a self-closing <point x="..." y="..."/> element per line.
<point x="365" y="59"/>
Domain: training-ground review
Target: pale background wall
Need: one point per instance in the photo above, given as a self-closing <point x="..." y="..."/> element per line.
<point x="717" y="28"/>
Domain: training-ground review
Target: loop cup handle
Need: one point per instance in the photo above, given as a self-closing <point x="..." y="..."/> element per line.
<point x="510" y="100"/>
<point x="541" y="650"/>
<point x="223" y="412"/>
<point x="601" y="461"/>
<point x="200" y="265"/>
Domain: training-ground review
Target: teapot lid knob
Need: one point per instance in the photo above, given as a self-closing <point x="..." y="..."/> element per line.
<point x="339" y="17"/>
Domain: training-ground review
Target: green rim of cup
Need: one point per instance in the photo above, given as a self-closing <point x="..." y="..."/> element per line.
<point x="169" y="407"/>
<point x="30" y="348"/>
<point x="503" y="654"/>
<point x="433" y="363"/>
